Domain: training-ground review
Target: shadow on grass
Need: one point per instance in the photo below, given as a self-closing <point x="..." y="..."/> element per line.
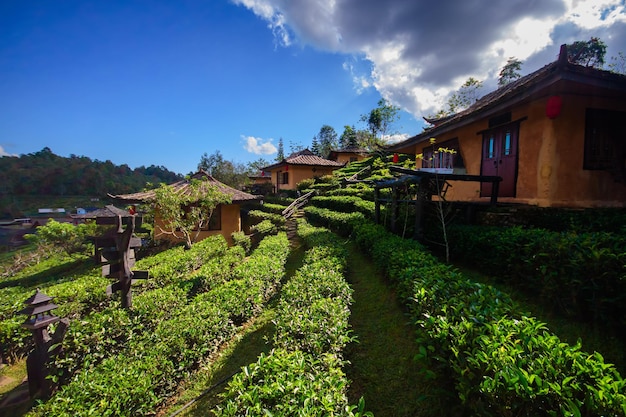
<point x="240" y="352"/>
<point x="243" y="350"/>
<point x="383" y="370"/>
<point x="50" y="275"/>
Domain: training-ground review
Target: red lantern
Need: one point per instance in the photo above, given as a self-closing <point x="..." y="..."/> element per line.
<point x="395" y="158"/>
<point x="553" y="107"/>
<point x="286" y="168"/>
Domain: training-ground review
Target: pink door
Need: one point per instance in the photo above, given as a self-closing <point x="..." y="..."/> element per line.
<point x="500" y="159"/>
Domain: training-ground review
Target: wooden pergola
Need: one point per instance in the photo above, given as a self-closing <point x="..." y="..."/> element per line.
<point x="428" y="184"/>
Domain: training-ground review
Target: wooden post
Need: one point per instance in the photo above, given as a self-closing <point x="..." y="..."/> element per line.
<point x="377" y="205"/>
<point x="422" y="195"/>
<point x="394" y="209"/>
<point x="117" y="251"/>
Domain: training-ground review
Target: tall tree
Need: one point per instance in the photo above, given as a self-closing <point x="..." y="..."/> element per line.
<point x="327" y="138"/>
<point x="295" y="146"/>
<point x="315" y="146"/>
<point x="510" y="71"/>
<point x="465" y="96"/>
<point x="380" y="120"/>
<point x="588" y="53"/>
<point x="255" y="166"/>
<point x="228" y="172"/>
<point x="280" y="153"/>
<point x="461" y="99"/>
<point x="348" y="137"/>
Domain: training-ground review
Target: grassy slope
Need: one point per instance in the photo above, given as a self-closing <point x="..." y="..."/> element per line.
<point x="383" y="370"/>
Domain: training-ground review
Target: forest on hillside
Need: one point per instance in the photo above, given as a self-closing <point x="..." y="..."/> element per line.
<point x="45" y="173"/>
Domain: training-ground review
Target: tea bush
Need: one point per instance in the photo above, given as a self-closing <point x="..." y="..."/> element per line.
<point x="149" y="367"/>
<point x="501" y="362"/>
<point x="302" y="375"/>
<point x="580" y="274"/>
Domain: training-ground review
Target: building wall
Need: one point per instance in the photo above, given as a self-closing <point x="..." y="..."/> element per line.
<point x="345" y="158"/>
<point x="550" y="158"/>
<point x="231" y="222"/>
<point x="298" y="173"/>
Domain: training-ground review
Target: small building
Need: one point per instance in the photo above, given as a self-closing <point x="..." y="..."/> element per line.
<point x="556" y="137"/>
<point x="260" y="183"/>
<point x="299" y="166"/>
<point x="348" y="154"/>
<point x="225" y="220"/>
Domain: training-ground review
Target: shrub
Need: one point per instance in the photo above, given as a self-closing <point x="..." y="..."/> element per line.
<point x="242" y="240"/>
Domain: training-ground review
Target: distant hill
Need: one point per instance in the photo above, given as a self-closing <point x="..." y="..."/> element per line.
<point x="44" y="173"/>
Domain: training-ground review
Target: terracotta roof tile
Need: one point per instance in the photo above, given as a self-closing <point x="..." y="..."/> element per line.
<point x="304" y="157"/>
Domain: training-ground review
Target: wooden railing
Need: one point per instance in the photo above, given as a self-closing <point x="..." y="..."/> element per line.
<point x="297" y="203"/>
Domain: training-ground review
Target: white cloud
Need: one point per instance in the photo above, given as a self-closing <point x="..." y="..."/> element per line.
<point x="5" y="153"/>
<point x="258" y="146"/>
<point x="419" y="52"/>
<point x="398" y="137"/>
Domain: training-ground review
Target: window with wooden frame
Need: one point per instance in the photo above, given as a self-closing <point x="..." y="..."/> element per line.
<point x="285" y="178"/>
<point x="215" y="222"/>
<point x="605" y="136"/>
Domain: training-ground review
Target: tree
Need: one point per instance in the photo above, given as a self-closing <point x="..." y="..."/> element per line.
<point x="510" y="71"/>
<point x="380" y="119"/>
<point x="464" y="97"/>
<point x="212" y="164"/>
<point x="280" y="154"/>
<point x="255" y="166"/>
<point x="618" y="63"/>
<point x="327" y="139"/>
<point x="184" y="214"/>
<point x="348" y="137"/>
<point x="295" y="146"/>
<point x="227" y="172"/>
<point x="315" y="146"/>
<point x="588" y="53"/>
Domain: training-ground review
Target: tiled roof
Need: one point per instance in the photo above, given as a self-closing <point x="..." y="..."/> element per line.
<point x="182" y="186"/>
<point x="350" y="149"/>
<point x="305" y="157"/>
<point x="516" y="91"/>
<point x="107" y="211"/>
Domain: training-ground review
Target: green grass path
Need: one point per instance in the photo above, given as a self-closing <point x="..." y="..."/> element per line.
<point x="382" y="367"/>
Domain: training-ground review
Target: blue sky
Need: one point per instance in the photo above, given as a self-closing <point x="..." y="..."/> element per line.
<point x="162" y="82"/>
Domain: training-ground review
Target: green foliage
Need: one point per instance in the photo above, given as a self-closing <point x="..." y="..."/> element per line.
<point x="228" y="172"/>
<point x="580" y="274"/>
<point x="242" y="240"/>
<point x="130" y="362"/>
<point x="265" y="227"/>
<point x="44" y="173"/>
<point x="186" y="213"/>
<point x="341" y="223"/>
<point x="305" y="184"/>
<point x="273" y="208"/>
<point x="380" y="120"/>
<point x="326" y="141"/>
<point x="303" y="375"/>
<point x="64" y="236"/>
<point x="277" y="219"/>
<point x="510" y="72"/>
<point x="502" y="363"/>
<point x="588" y="53"/>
